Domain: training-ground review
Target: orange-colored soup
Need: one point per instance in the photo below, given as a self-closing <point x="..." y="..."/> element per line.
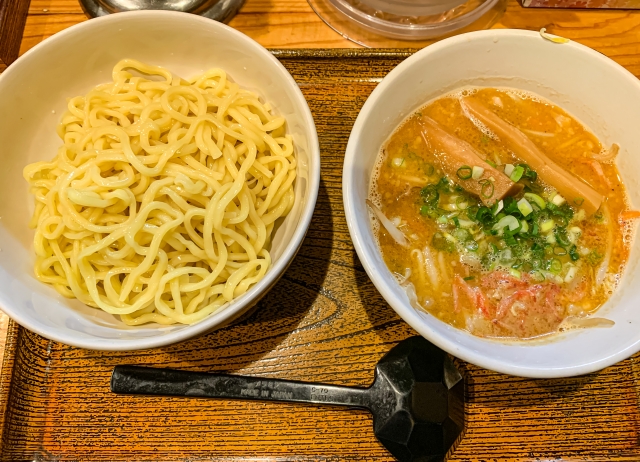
<point x="518" y="266"/>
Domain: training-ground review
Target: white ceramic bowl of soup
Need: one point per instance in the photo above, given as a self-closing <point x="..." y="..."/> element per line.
<point x="33" y="96"/>
<point x="594" y="89"/>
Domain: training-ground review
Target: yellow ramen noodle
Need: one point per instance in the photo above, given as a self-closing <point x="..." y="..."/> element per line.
<point x="161" y="201"/>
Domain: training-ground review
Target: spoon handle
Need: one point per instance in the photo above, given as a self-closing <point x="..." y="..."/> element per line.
<point x="136" y="380"/>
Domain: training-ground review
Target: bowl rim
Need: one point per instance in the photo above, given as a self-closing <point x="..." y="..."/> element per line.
<point x="406" y="312"/>
<point x="253" y="295"/>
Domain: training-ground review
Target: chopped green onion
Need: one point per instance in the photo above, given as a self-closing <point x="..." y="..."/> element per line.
<point x="539" y="201"/>
<point x="466" y="223"/>
<point x="487" y="188"/>
<point x="555" y="266"/>
<point x="561" y="237"/>
<point x="461" y="235"/>
<point x="537" y="250"/>
<point x="398" y="162"/>
<point x="599" y="216"/>
<point x="525" y="227"/>
<point x="429" y="169"/>
<point x="508" y="169"/>
<point x="525" y="207"/>
<point x="529" y="174"/>
<point x="471" y="245"/>
<point x="498" y="206"/>
<point x="516" y="174"/>
<point x="464" y="172"/>
<point x="510" y="240"/>
<point x="493" y="164"/>
<point x="461" y="203"/>
<point x="558" y="200"/>
<point x="442" y="219"/>
<point x="573" y="253"/>
<point x="578" y="201"/>
<point x="509" y="221"/>
<point x="424" y="210"/>
<point x="515" y="273"/>
<point x="472" y="212"/>
<point x="456" y="222"/>
<point x="469" y="278"/>
<point x="534" y="230"/>
<point x="430" y="194"/>
<point x="506" y="255"/>
<point x="484" y="215"/>
<point x="449" y="237"/>
<point x="551" y="239"/>
<point x="443" y="184"/>
<point x="547" y="225"/>
<point x="594" y="257"/>
<point x="510" y="206"/>
<point x="476" y="172"/>
<point x="559" y="251"/>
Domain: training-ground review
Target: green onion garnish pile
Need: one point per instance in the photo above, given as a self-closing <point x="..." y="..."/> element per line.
<point x="522" y="234"/>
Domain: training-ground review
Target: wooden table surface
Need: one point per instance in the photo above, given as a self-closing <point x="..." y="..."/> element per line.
<point x="293" y="24"/>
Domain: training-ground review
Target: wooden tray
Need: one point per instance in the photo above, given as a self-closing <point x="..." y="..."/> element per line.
<point x="583" y="4"/>
<point x="324" y="322"/>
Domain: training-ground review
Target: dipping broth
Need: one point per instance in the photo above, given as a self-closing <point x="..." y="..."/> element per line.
<point x="501" y="214"/>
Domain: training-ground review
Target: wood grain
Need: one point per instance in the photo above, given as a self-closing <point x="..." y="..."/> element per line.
<point x="13" y="14"/>
<point x="323" y="322"/>
<point x="622" y="4"/>
<point x="293" y="24"/>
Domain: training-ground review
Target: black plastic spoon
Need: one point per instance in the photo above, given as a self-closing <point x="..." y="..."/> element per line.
<point x="417" y="397"/>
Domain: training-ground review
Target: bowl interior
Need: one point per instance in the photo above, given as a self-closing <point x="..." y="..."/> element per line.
<point x="597" y="91"/>
<point x="33" y="95"/>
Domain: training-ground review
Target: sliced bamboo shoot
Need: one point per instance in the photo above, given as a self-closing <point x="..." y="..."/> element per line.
<point x="570" y="187"/>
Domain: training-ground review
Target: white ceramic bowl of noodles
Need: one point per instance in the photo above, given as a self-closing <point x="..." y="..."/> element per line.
<point x="33" y="93"/>
<point x="599" y="92"/>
